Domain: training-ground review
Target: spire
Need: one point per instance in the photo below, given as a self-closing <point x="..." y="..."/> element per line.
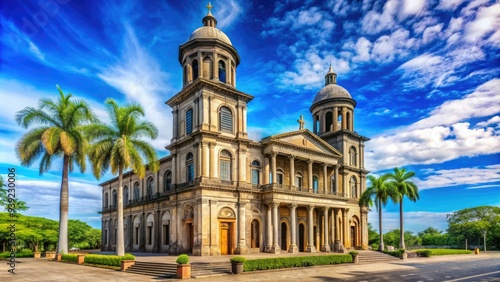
<point x="330" y="77"/>
<point x="209" y="19"/>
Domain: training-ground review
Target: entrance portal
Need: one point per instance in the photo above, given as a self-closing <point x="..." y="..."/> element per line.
<point x="301" y="238"/>
<point x="255" y="235"/>
<point x="353" y="236"/>
<point x="225" y="238"/>
<point x="284" y="245"/>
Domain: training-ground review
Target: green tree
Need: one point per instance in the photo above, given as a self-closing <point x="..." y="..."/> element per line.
<point x="433" y="237"/>
<point x="93" y="238"/>
<point x="58" y="134"/>
<point x="120" y="146"/>
<point x="470" y="224"/>
<point x="404" y="187"/>
<point x="77" y="232"/>
<point x="13" y="203"/>
<point x="373" y="236"/>
<point x="378" y="192"/>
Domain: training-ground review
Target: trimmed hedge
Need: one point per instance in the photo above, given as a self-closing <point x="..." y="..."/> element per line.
<point x="21" y="254"/>
<point x="276" y="263"/>
<point x="69" y="257"/>
<point x="110" y="260"/>
<point x="442" y="252"/>
<point x="424" y="253"/>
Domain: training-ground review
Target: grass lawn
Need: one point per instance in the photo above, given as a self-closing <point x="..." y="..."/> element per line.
<point x="442" y="252"/>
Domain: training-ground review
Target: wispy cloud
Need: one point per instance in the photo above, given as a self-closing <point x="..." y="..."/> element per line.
<point x="461" y="176"/>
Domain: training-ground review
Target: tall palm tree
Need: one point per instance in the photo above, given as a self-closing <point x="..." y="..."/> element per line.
<point x="404" y="187"/>
<point x="120" y="145"/>
<point x="381" y="193"/>
<point x="59" y="134"/>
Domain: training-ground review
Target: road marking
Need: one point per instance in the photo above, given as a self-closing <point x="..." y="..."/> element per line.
<point x="473" y="276"/>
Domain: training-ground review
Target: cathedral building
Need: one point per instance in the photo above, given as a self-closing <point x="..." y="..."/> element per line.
<point x="219" y="192"/>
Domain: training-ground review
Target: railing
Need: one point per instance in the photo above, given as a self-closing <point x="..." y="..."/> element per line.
<point x="283" y="187"/>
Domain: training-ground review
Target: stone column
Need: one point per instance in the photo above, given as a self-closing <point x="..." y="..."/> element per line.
<point x="336" y="243"/>
<point x="310" y="226"/>
<point x="269" y="228"/>
<point x="310" y="175"/>
<point x="174" y="174"/>
<point x="266" y="170"/>
<point x="347" y="242"/>
<point x="364" y="228"/>
<point x="216" y="67"/>
<point x="276" y="247"/>
<point x="292" y="170"/>
<point x="273" y="166"/>
<point x="212" y="159"/>
<point x="326" y="246"/>
<point x="175" y="126"/>
<point x="196" y="162"/>
<point x="335" y="118"/>
<point x="352" y="120"/>
<point x="157" y="231"/>
<point x="361" y="155"/>
<point x="322" y="121"/>
<point x="244" y="120"/>
<point x="242" y="245"/>
<point x="142" y="237"/>
<point x="196" y="114"/>
<point x="293" y="229"/>
<point x="344" y="115"/>
<point x="336" y="185"/>
<point x="241" y="170"/>
<point x="206" y="159"/>
<point x="325" y="178"/>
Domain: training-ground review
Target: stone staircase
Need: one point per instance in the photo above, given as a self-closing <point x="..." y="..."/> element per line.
<point x="200" y="269"/>
<point x="374" y="257"/>
<point x="169" y="270"/>
<point x="156" y="269"/>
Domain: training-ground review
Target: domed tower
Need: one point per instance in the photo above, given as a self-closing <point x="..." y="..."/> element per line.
<point x="333" y="115"/>
<point x="209" y="54"/>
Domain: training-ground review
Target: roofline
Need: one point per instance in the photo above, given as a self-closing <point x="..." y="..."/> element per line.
<point x="336" y="99"/>
<point x="129" y="172"/>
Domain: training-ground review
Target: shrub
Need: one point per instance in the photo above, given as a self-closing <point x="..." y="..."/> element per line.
<point x="393" y="253"/>
<point x="374" y="246"/>
<point x="276" y="263"/>
<point x="182" y="259"/>
<point x="353" y="253"/>
<point x="68" y="257"/>
<point x="238" y="259"/>
<point x="20" y="254"/>
<point x="424" y="253"/>
<point x="110" y="260"/>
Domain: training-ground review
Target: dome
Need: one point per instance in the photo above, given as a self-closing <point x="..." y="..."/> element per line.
<point x="331" y="91"/>
<point x="208" y="32"/>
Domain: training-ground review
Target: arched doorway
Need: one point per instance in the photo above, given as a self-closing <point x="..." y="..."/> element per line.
<point x="255" y="234"/>
<point x="301" y="237"/>
<point x="284" y="233"/>
<point x="227" y="222"/>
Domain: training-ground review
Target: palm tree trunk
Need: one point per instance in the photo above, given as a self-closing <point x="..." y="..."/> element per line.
<point x="401" y="227"/>
<point x="381" y="234"/>
<point x="120" y="242"/>
<point x="62" y="247"/>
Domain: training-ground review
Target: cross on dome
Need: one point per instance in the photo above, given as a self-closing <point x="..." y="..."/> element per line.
<point x="209" y="7"/>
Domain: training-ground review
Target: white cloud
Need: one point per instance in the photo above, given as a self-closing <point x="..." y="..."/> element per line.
<point x="374" y="22"/>
<point x="460" y="176"/>
<point x="487" y="21"/>
<point x="140" y="78"/>
<point x="227" y="12"/>
<point x="431" y="33"/>
<point x="412" y="7"/>
<point x="492" y="121"/>
<point x="449" y="4"/>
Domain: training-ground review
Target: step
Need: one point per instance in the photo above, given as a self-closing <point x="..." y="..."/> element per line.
<point x="162" y="270"/>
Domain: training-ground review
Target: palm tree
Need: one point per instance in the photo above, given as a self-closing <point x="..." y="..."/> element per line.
<point x="59" y="134"/>
<point x="120" y="146"/>
<point x="404" y="187"/>
<point x="380" y="192"/>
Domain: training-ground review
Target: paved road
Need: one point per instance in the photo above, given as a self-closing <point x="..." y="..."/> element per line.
<point x="484" y="267"/>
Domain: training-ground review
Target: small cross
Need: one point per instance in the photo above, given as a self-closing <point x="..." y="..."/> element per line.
<point x="301" y="122"/>
<point x="209" y="7"/>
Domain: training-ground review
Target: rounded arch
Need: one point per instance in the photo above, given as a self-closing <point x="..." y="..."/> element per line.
<point x="188" y="212"/>
<point x="189" y="167"/>
<point x="221" y="64"/>
<point x="167" y="181"/>
<point x="165" y="230"/>
<point x="284" y="234"/>
<point x="225" y="165"/>
<point x="114" y="199"/>
<point x="329" y="121"/>
<point x="255" y="167"/>
<point x="189" y="121"/>
<point x="137" y="191"/>
<point x="136" y="227"/>
<point x="226" y="212"/>
<point x="150" y="187"/>
<point x="353" y="156"/>
<point x="208" y="69"/>
<point x="353" y="183"/>
<point x="255" y="232"/>
<point x="106" y="200"/>
<point x="315" y="184"/>
<point x="150" y="229"/>
<point x="125" y="195"/>
<point x="355" y="231"/>
<point x="226" y="121"/>
<point x="194" y="68"/>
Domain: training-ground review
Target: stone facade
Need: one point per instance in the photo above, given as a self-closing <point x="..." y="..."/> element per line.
<point x="218" y="192"/>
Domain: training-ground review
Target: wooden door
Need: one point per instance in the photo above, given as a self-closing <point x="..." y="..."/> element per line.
<point x="301" y="238"/>
<point x="225" y="238"/>
<point x="353" y="236"/>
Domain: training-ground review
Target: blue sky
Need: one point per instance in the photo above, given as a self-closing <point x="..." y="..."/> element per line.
<point x="425" y="75"/>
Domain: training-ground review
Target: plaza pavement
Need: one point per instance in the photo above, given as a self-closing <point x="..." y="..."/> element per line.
<point x="30" y="269"/>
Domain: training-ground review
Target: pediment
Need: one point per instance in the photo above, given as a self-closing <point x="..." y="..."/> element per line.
<point x="303" y="139"/>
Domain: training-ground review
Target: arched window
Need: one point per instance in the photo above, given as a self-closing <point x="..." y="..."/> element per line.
<point x="279" y="176"/>
<point x="167" y="181"/>
<point x="189" y="167"/>
<point x="195" y="69"/>
<point x="329" y="121"/>
<point x="352" y="156"/>
<point x="255" y="172"/>
<point x="316" y="124"/>
<point x="189" y="121"/>
<point x="315" y="184"/>
<point x="222" y="71"/>
<point x="298" y="180"/>
<point x="115" y="199"/>
<point x="150" y="187"/>
<point x="354" y="190"/>
<point x="137" y="192"/>
<point x="225" y="119"/>
<point x="125" y="195"/>
<point x="225" y="165"/>
<point x="208" y="68"/>
<point x="106" y="200"/>
<point x="232" y="75"/>
<point x="339" y="119"/>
